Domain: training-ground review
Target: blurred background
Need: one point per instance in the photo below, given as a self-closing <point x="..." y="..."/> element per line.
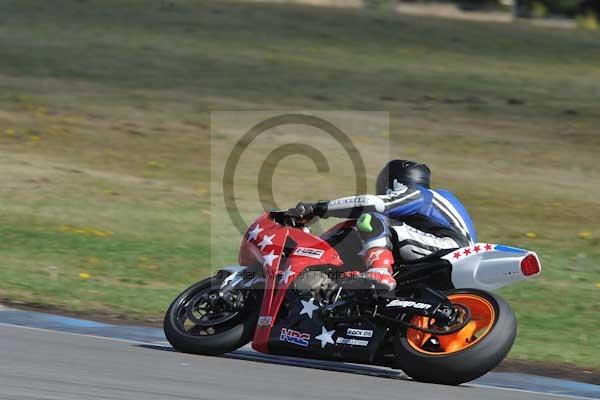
<point x="105" y="138"/>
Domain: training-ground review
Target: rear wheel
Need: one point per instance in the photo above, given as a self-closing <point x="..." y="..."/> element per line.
<point x="463" y="355"/>
<point x="199" y="322"/>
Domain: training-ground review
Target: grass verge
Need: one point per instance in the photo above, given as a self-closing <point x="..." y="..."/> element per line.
<point x="104" y="142"/>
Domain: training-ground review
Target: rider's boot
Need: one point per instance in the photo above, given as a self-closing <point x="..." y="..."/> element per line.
<point x="380" y="261"/>
<point x="373" y="229"/>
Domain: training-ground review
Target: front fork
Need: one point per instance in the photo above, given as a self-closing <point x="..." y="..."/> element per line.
<point x="235" y="289"/>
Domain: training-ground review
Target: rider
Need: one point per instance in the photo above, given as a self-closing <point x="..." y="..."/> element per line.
<point x="405" y="217"/>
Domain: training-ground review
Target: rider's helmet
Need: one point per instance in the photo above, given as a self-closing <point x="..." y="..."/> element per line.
<point x="403" y="172"/>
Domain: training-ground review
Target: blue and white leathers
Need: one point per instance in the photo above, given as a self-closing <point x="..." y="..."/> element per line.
<point x="423" y="220"/>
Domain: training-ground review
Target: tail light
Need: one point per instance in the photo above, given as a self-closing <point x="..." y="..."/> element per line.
<point x="530" y="265"/>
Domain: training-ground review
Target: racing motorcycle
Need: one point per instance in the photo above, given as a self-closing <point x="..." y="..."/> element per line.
<point x="292" y="295"/>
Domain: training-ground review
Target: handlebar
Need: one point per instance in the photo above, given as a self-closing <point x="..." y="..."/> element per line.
<point x="287" y="217"/>
<point x="278" y="216"/>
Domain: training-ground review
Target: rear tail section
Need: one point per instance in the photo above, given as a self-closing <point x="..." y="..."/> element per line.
<point x="490" y="266"/>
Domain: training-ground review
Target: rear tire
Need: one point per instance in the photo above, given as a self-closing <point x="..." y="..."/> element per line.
<point x="469" y="363"/>
<point x="238" y="332"/>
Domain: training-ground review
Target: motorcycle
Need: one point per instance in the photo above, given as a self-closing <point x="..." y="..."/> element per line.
<point x="291" y="295"/>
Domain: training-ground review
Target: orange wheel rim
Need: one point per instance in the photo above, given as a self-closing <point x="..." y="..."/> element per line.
<point x="482" y="320"/>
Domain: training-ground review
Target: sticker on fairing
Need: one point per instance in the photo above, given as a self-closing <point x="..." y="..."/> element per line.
<point x="406" y="303"/>
<point x="308" y="252"/>
<point x="359" y="332"/>
<point x="294" y="337"/>
<point x="352" y="342"/>
<point x="265" y="320"/>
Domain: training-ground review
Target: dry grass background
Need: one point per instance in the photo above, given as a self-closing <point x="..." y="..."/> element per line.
<point x="105" y="142"/>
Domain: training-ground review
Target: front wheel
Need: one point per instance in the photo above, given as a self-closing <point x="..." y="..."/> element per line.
<point x="464" y="355"/>
<point x="199" y="322"/>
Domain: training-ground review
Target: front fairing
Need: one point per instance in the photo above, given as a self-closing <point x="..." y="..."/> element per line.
<point x="284" y="253"/>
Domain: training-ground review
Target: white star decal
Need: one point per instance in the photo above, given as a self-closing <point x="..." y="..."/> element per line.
<point x="325" y="337"/>
<point x="268" y="258"/>
<point x="266" y="241"/>
<point x="286" y="274"/>
<point x="253" y="234"/>
<point x="308" y="307"/>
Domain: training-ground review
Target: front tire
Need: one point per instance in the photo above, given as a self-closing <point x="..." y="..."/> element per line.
<point x="221" y="338"/>
<point x="463" y="356"/>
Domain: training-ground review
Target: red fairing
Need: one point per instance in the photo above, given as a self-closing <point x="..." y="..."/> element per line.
<point x="264" y="242"/>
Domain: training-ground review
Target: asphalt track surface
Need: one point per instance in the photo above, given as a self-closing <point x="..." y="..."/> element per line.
<point x="57" y="364"/>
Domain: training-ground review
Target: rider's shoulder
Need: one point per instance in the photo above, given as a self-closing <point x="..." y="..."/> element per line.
<point x="443" y="192"/>
<point x="448" y="195"/>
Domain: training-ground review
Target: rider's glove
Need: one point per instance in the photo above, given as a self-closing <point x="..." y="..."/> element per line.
<point x="320" y="208"/>
<point x="302" y="210"/>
